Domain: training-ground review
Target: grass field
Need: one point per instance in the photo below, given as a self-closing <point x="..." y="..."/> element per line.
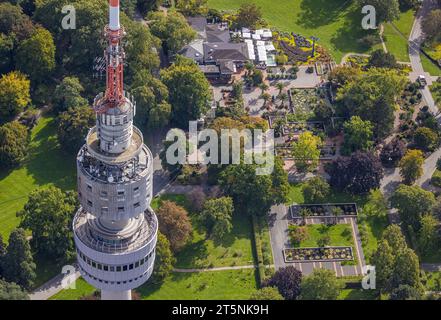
<point x="82" y="288"/>
<point x="222" y="285"/>
<point x="235" y="249"/>
<point x="340" y="235"/>
<point x="358" y="294"/>
<point x="336" y="22"/>
<point x="45" y="164"/>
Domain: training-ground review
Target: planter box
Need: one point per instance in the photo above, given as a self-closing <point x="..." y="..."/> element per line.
<point x="326" y="254"/>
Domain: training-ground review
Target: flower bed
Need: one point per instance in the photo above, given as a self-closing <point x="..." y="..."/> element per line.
<point x="324" y="210"/>
<point x="318" y="254"/>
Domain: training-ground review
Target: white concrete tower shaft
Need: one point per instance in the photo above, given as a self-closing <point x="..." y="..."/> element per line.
<point x="115" y="228"/>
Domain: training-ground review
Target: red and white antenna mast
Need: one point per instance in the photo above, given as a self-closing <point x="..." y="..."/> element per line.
<point x="114" y="94"/>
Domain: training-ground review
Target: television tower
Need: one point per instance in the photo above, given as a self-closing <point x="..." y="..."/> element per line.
<point x="115" y="229"/>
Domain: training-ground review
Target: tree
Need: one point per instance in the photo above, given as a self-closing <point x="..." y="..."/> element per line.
<point x="431" y="25"/>
<point x="322" y="284"/>
<point x="341" y="75"/>
<point x="14" y="22"/>
<point x="428" y="238"/>
<point x="217" y="215"/>
<point x="381" y="59"/>
<point x="383" y="260"/>
<point x="11" y="291"/>
<point x="405" y="292"/>
<point x="189" y="91"/>
<point x="411" y="166"/>
<point x="407" y="270"/>
<point x="248" y="16"/>
<point x="392" y="153"/>
<point x="287" y="280"/>
<point x="159" y="115"/>
<point x="372" y="97"/>
<point x="395" y="238"/>
<point x="145" y="6"/>
<point x="425" y="139"/>
<point x="6" y="52"/>
<point x="175" y="224"/>
<point x="36" y="55"/>
<point x="316" y="190"/>
<point x="358" y="134"/>
<point x="336" y="212"/>
<point x="306" y="152"/>
<point x="376" y="205"/>
<point x="67" y="95"/>
<point x="172" y="28"/>
<point x="151" y="95"/>
<point x="268" y="190"/>
<point x="192" y="7"/>
<point x="408" y="4"/>
<point x="412" y="202"/>
<point x="358" y="174"/>
<point x="73" y="126"/>
<point x="386" y="10"/>
<point x="197" y="199"/>
<point x="18" y="264"/>
<point x="48" y="214"/>
<point x="266" y="293"/>
<point x="14" y="141"/>
<point x="297" y="234"/>
<point x="164" y="259"/>
<point x="14" y="94"/>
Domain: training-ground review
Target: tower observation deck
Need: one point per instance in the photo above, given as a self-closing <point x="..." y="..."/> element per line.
<point x="115" y="229"/>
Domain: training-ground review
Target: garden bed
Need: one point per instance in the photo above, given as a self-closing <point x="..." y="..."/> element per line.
<point x="316" y="254"/>
<point x="324" y="210"/>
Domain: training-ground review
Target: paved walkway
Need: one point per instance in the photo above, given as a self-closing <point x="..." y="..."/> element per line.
<point x="52" y="287"/>
<point x="416" y="38"/>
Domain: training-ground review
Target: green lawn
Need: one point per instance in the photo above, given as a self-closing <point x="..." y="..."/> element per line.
<point x="375" y="227"/>
<point x="82" y="288"/>
<point x="336" y="22"/>
<point x="430" y="67"/>
<point x="222" y="285"/>
<point x="235" y="249"/>
<point x="396" y="35"/>
<point x="295" y="195"/>
<point x="340" y="234"/>
<point x="358" y="294"/>
<point x="45" y="164"/>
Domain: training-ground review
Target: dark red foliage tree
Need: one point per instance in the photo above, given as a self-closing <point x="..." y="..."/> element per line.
<point x="392" y="153"/>
<point x="358" y="174"/>
<point x="288" y="281"/>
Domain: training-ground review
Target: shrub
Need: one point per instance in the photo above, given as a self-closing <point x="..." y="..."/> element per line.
<point x="436" y="179"/>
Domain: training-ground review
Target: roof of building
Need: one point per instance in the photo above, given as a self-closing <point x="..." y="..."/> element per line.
<point x="214" y="34"/>
<point x="222" y="50"/>
<point x="209" y="68"/>
<point x="197" y="23"/>
<point x="227" y="66"/>
<point x="195" y="50"/>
